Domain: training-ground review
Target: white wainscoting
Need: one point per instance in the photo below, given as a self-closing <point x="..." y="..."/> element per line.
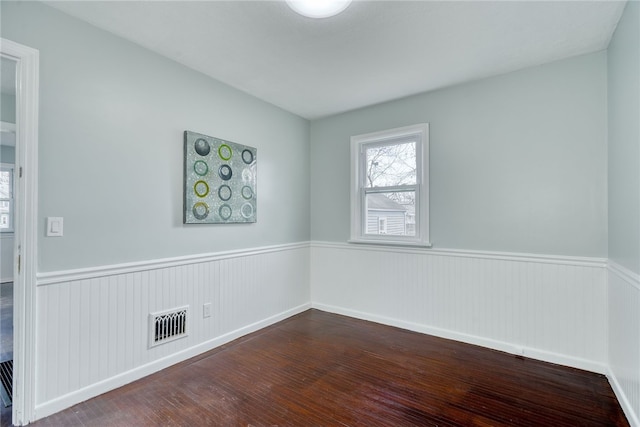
<point x="92" y="323"/>
<point x="548" y="308"/>
<point x="624" y="339"/>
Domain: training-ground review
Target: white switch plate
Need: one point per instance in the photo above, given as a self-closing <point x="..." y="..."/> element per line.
<point x="55" y="226"/>
<point x="206" y="310"/>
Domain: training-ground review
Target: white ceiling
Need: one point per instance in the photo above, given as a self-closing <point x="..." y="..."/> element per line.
<point x="373" y="52"/>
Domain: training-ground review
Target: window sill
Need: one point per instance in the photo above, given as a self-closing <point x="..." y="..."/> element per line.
<point x="379" y="242"/>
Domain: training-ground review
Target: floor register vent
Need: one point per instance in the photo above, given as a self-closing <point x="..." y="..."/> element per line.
<point x="168" y="325"/>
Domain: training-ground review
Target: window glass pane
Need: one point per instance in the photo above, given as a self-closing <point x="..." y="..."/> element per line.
<point x="6" y="198"/>
<point x="390" y="165"/>
<point x="392" y="213"/>
<point x="5" y="184"/>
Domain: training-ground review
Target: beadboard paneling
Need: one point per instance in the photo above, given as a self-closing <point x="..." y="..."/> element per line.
<point x="548" y="308"/>
<point x="624" y="339"/>
<point x="92" y="328"/>
<point x="92" y="323"/>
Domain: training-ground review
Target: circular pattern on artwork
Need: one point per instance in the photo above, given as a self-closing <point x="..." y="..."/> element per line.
<point x="200" y="210"/>
<point x="200" y="167"/>
<point x="225" y="212"/>
<point x="225" y="172"/>
<point x="246" y="192"/>
<point x="224" y="151"/>
<point x="201" y="188"/>
<point x="247" y="156"/>
<point x="224" y="192"/>
<point x="247" y="210"/>
<point x="202" y="147"/>
<point x="246" y="174"/>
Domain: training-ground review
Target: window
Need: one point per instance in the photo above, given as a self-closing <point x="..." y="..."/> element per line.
<point x="390" y="187"/>
<point x="6" y="197"/>
<point x="382" y="225"/>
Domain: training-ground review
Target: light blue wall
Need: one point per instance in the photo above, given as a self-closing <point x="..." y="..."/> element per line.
<point x="7" y="154"/>
<point x="112" y="116"/>
<point x="7" y="114"/>
<point x="7" y="108"/>
<point x="518" y="161"/>
<point x="624" y="140"/>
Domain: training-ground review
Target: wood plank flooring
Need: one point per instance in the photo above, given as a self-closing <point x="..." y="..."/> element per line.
<point x="321" y="369"/>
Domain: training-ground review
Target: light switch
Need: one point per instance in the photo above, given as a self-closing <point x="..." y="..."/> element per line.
<point x="54" y="226"/>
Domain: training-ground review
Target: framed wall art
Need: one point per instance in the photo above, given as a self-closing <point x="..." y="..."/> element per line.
<point x="219" y="181"/>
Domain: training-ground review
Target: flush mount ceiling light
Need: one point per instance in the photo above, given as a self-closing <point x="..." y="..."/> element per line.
<point x="318" y="8"/>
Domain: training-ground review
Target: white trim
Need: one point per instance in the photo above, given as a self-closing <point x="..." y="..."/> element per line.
<point x="389" y="243"/>
<point x="26" y="225"/>
<point x="63" y="402"/>
<point x="625" y="274"/>
<point x="53" y="277"/>
<point x="506" y="347"/>
<point x="507" y="256"/>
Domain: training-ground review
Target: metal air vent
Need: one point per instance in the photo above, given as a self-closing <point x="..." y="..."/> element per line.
<point x="168" y="325"/>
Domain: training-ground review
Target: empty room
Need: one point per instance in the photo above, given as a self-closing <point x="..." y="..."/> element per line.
<point x="389" y="213"/>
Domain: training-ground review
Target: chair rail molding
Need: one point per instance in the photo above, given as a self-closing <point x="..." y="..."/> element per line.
<point x="53" y="277"/>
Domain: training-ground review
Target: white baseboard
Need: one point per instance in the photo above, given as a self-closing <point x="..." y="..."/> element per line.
<point x="63" y="402"/>
<point x="533" y="353"/>
<point x="6" y="279"/>
<point x="622" y="399"/>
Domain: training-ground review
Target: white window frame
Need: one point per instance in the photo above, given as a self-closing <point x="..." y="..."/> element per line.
<point x="419" y="133"/>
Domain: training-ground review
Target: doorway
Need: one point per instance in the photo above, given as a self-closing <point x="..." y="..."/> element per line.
<point x="18" y="225"/>
<point x="7" y="168"/>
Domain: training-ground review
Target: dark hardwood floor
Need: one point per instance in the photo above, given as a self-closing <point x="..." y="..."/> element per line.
<point x="320" y="369"/>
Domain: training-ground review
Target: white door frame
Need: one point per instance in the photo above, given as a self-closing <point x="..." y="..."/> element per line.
<point x="25" y="227"/>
